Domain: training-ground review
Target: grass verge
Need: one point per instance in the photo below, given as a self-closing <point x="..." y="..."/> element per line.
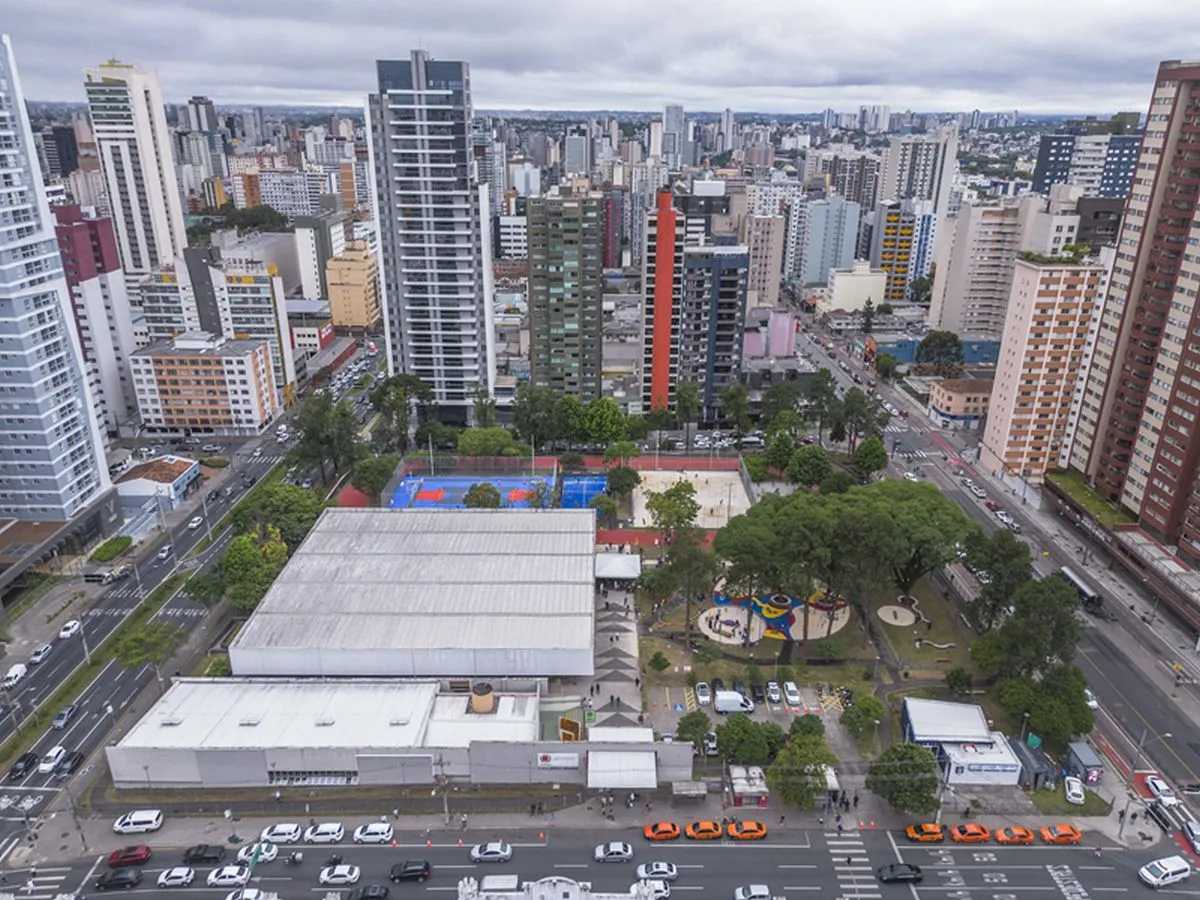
<point x="1054" y="803"/>
<point x="30" y="731"/>
<point x="1074" y="486"/>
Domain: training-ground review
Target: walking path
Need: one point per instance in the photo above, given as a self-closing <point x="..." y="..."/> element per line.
<point x="616" y="690"/>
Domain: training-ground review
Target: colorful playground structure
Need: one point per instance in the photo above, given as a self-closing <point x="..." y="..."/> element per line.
<point x="780" y="613"/>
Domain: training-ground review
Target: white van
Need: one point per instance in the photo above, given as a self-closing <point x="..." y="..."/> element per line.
<point x="14" y="676"/>
<point x="1168" y="870"/>
<point x="139" y="821"/>
<point x="732" y="702"/>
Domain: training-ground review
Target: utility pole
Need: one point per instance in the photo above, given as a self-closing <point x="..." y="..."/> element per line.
<point x="75" y="819"/>
<point x="1137" y="761"/>
<point x="441" y="764"/>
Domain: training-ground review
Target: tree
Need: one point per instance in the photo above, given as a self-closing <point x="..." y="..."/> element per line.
<point x="807" y="724"/>
<point x="482" y="495"/>
<point x="885" y="366"/>
<point x="779" y="397"/>
<point x="207" y="589"/>
<point x="488" y="442"/>
<point x="735" y="406"/>
<point x="288" y="507"/>
<point x="606" y="506"/>
<point x="858" y="413"/>
<point x="1008" y="565"/>
<point x="569" y="420"/>
<point x="605" y="421"/>
<point x="907" y="777"/>
<point x="942" y="351"/>
<point x="688" y="405"/>
<point x="673" y="509"/>
<point x="343" y="440"/>
<point x="638" y="429"/>
<point x="693" y="569"/>
<point x="742" y="740"/>
<point x="868" y="316"/>
<point x="372" y="475"/>
<point x="274" y="551"/>
<point x="150" y="644"/>
<point x="242" y="560"/>
<point x="620" y="452"/>
<point x="822" y="399"/>
<point x="314" y="424"/>
<point x="928" y="525"/>
<point x="860" y="717"/>
<point x="485" y="408"/>
<point x="541" y="497"/>
<point x="837" y="431"/>
<point x="693" y="727"/>
<point x="958" y="680"/>
<point x="786" y="421"/>
<point x="396" y="401"/>
<point x="536" y="414"/>
<point x="809" y="465"/>
<point x="621" y="481"/>
<point x="436" y="435"/>
<point x="798" y="773"/>
<point x="1056" y="704"/>
<point x="920" y="290"/>
<point x="659" y="662"/>
<point x="1040" y="635"/>
<point x="837" y="482"/>
<point x="884" y="309"/>
<point x="870" y="457"/>
<point x="779" y="451"/>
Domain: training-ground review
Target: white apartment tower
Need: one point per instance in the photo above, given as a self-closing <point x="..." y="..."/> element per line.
<point x="51" y="452"/>
<point x="136" y="157"/>
<point x="921" y="167"/>
<point x="435" y="247"/>
<point x="674" y="134"/>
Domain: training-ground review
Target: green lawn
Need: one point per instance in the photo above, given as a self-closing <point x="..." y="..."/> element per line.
<point x="947" y="628"/>
<point x="1054" y="803"/>
<point x="1074" y="486"/>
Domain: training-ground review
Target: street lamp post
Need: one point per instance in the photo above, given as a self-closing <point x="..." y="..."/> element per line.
<point x="1024" y="725"/>
<point x="1137" y="761"/>
<point x="87" y="653"/>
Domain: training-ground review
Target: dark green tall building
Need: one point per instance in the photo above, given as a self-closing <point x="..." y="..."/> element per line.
<point x="566" y="289"/>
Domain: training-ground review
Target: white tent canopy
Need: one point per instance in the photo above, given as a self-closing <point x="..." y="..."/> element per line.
<point x="633" y="769"/>
<point x="619" y="566"/>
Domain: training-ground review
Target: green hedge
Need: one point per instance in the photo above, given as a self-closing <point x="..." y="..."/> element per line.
<point x="112" y="548"/>
<point x="214" y="462"/>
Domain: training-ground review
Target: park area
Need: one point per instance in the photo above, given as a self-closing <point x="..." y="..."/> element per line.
<point x="719" y="495"/>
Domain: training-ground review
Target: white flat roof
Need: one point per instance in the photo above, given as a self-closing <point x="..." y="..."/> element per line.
<point x="601" y="734"/>
<point x="452" y="724"/>
<point x="940" y="721"/>
<point x="370" y="579"/>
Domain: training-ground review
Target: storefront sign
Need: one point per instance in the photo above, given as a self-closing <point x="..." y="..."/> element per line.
<point x="558" y="761"/>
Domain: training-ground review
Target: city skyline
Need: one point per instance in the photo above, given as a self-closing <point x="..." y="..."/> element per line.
<point x="1070" y="58"/>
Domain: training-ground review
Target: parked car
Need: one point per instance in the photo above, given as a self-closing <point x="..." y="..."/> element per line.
<point x="205" y="853"/>
<point x="375" y="833"/>
<point x="1162" y="793"/>
<point x="340" y="874"/>
<point x="180" y="876"/>
<point x="792" y="693"/>
<point x="664" y="871"/>
<point x="211" y="448"/>
<point x="758" y="692"/>
<point x="119" y="880"/>
<point x="228" y="876"/>
<point x="283" y="833"/>
<point x="1073" y="790"/>
<point x="773" y="693"/>
<point x="68" y="764"/>
<point x="260" y="853"/>
<point x="703" y="694"/>
<point x="40" y="653"/>
<point x="129" y="856"/>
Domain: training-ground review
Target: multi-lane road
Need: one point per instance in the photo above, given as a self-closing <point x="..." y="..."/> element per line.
<point x="792" y="864"/>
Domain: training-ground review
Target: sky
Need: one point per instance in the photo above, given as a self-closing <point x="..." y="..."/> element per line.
<point x="782" y="56"/>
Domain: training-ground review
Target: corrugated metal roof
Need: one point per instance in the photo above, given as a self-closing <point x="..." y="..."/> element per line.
<point x="434" y="579"/>
<point x="932" y="721"/>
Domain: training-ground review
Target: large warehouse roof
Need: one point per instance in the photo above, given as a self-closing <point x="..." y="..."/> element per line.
<point x="460" y="592"/>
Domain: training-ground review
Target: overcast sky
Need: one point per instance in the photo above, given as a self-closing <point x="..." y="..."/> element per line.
<point x="767" y="55"/>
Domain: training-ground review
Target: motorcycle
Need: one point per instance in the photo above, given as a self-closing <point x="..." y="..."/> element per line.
<point x="293" y="859"/>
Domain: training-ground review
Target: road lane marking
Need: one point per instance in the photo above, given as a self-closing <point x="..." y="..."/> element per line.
<point x="792" y="866"/>
<point x="801" y="887"/>
<point x="567" y="866"/>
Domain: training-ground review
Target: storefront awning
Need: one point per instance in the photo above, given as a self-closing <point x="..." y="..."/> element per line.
<point x="618" y="566"/>
<point x="622" y="769"/>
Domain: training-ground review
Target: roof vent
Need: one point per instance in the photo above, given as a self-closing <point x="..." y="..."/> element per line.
<point x="483" y="701"/>
<point x="324" y="722"/>
<point x="398" y="722"/>
<point x="250" y="721"/>
<point x="171" y="722"/>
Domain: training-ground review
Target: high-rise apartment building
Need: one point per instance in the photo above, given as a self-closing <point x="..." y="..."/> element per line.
<point x="645" y="180"/>
<point x="435" y="246"/>
<point x="674" y="136"/>
<point x="1101" y="164"/>
<point x="577" y="154"/>
<point x="921" y="167"/>
<point x="234" y="298"/>
<point x="765" y="236"/>
<point x="1138" y="423"/>
<point x="1046" y="332"/>
<point x="614" y="216"/>
<point x="52" y="467"/>
<point x="874" y="119"/>
<point x="566" y="291"/>
<point x="728" y="137"/>
<point x="137" y="158"/>
<point x="318" y="240"/>
<point x="200" y="115"/>
<point x="853" y="174"/>
<point x="903" y="236"/>
<point x="60" y="151"/>
<point x="290" y="192"/>
<point x="352" y="278"/>
<point x="831" y="237"/>
<point x="92" y="264"/>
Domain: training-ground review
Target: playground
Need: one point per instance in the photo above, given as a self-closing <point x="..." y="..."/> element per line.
<point x="747" y="620"/>
<point x="448" y="491"/>
<point x="721" y="495"/>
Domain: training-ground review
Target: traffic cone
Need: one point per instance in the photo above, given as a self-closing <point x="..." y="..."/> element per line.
<point x="460" y="842"/>
<point x="541" y="836"/>
<point x="394" y="844"/>
<point x="872" y="824"/>
<point x="428" y="843"/>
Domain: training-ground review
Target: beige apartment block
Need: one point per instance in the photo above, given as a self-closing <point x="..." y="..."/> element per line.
<point x="959" y="403"/>
<point x="353" y="282"/>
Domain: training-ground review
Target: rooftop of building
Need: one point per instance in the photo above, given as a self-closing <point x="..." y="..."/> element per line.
<point x="163" y="469"/>
<point x="434" y="579"/>
<point x="237" y="713"/>
<point x="304" y="308"/>
<point x="938" y="721"/>
<point x="20" y="536"/>
<point x="965" y="385"/>
<point x="198" y="343"/>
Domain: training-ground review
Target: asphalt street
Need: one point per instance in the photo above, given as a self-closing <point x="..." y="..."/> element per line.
<point x="791" y="863"/>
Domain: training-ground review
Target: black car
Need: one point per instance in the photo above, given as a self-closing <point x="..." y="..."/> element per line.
<point x="895" y="872"/>
<point x="369" y="892"/>
<point x="740" y="687"/>
<point x="25" y="764"/>
<point x="204" y="853"/>
<point x="411" y="870"/>
<point x="758" y="692"/>
<point x="69" y="764"/>
<point x="119" y="879"/>
<point x="718" y="685"/>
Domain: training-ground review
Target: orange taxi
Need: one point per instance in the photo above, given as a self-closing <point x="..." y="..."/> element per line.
<point x="1013" y="834"/>
<point x="970" y="833"/>
<point x="925" y="833"/>
<point x="747" y="831"/>
<point x="1061" y="834"/>
<point x="661" y="831"/>
<point x="703" y="831"/>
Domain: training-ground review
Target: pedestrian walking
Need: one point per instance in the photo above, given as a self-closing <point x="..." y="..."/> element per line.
<point x="532" y="810"/>
<point x="839" y="829"/>
<point x="637" y="682"/>
<point x="611" y="699"/>
<point x="782" y="819"/>
<point x="1133" y="816"/>
<point x="1121" y="815"/>
<point x="383" y="818"/>
<point x="849" y="860"/>
<point x="463" y="821"/>
<point x="856" y="801"/>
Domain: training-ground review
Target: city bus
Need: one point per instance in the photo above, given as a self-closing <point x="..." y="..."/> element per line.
<point x="1088" y="595"/>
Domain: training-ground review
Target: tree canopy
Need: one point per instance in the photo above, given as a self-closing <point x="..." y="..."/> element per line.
<point x="397" y="400"/>
<point x="798" y="773"/>
<point x="482" y="495"/>
<point x="735" y="406"/>
<point x="1008" y="565"/>
<point x="809" y="465"/>
<point x="942" y="351"/>
<point x="906" y="776"/>
<point x="488" y="442"/>
<point x="371" y="475"/>
<point x="870" y="457"/>
<point x="674" y="508"/>
<point x="742" y="740"/>
<point x="1040" y="635"/>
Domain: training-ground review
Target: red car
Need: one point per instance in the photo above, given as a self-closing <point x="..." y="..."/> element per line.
<point x="129" y="856"/>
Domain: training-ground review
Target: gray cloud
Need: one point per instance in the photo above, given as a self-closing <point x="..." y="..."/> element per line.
<point x="771" y="55"/>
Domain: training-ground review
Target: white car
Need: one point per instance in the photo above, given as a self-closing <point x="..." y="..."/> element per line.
<point x="69" y="630"/>
<point x="773" y="694"/>
<point x="40" y="653"/>
<point x="52" y="758"/>
<point x="1162" y="793"/>
<point x="710" y="744"/>
<point x="229" y="876"/>
<point x="180" y="876"/>
<point x="979" y="492"/>
<point x="660" y="889"/>
<point x="614" y="851"/>
<point x="246" y="894"/>
<point x="909" y="476"/>
<point x="195" y="523"/>
<point x="791" y="693"/>
<point x="1092" y="702"/>
<point x="752" y="892"/>
<point x="663" y="871"/>
<point x="266" y="853"/>
<point x="342" y="874"/>
<point x="496" y="851"/>
<point x="1073" y="789"/>
<point x="325" y="833"/>
<point x="703" y="694"/>
<point x="164" y="552"/>
<point x="375" y="833"/>
<point x="283" y="833"/>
